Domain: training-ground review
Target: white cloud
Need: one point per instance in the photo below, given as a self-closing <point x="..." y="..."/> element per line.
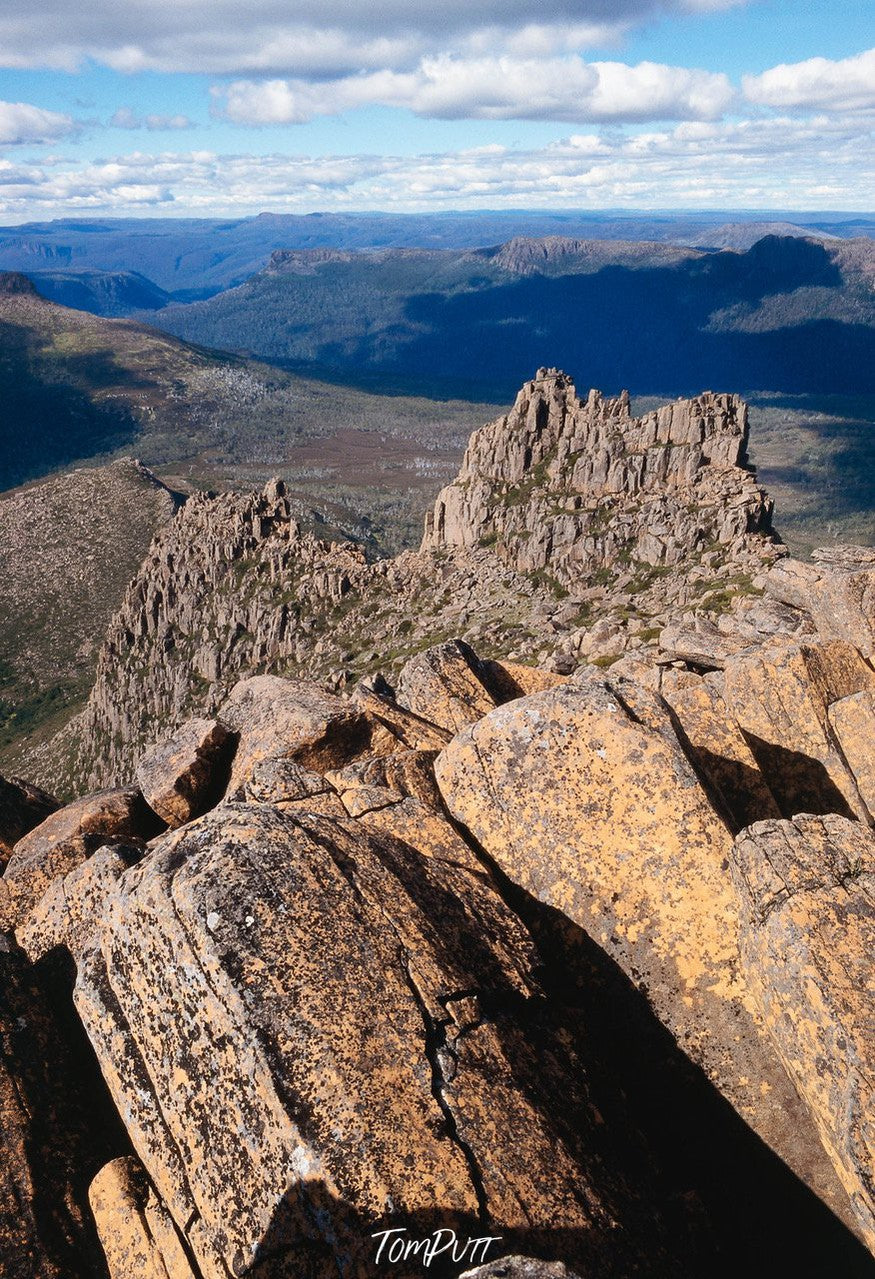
<point x="22" y="123"/>
<point x="490" y="88"/>
<point x="845" y="85"/>
<point x="769" y="163"/>
<point x="308" y="37"/>
<point x="127" y="118"/>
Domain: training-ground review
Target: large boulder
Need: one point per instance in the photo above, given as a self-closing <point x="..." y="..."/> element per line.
<point x="46" y="1230"/>
<point x="22" y="807"/>
<point x="297" y="720"/>
<point x="837" y="590"/>
<point x="447" y="685"/>
<point x="584" y="798"/>
<point x="808" y="939"/>
<point x="315" y="1033"/>
<point x="852" y="720"/>
<point x="66" y="839"/>
<point x="186" y="774"/>
<point x="779" y="694"/>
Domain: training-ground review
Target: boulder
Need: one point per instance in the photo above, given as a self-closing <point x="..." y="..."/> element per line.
<point x="852" y="720"/>
<point x="779" y="694"/>
<point x="412" y="730"/>
<point x="22" y="807"/>
<point x="186" y="774"/>
<point x="718" y="749"/>
<point x="315" y="1033"/>
<point x="837" y="590"/>
<point x="584" y="798"/>
<point x="138" y="1235"/>
<point x="447" y="685"/>
<point x="67" y="914"/>
<point x="808" y="938"/>
<point x="67" y="838"/>
<point x="46" y="1230"/>
<point x="296" y="720"/>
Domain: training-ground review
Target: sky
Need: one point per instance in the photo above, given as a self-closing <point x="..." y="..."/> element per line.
<point x="227" y="108"/>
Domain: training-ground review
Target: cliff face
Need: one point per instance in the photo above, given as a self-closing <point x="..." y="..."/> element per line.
<point x="564" y="514"/>
<point x="574" y="486"/>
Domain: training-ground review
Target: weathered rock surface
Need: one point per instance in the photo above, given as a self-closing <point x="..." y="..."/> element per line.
<point x="837" y="590"/>
<point x="569" y="486"/>
<point x="297" y="721"/>
<point x="137" y="1233"/>
<point x="308" y="1028"/>
<point x="780" y="694"/>
<point x="67" y="838"/>
<point x="584" y="797"/>
<point x="808" y="938"/>
<point x="46" y="1231"/>
<point x="22" y="807"/>
<point x="852" y="720"/>
<point x="184" y="776"/>
<point x="446" y="685"/>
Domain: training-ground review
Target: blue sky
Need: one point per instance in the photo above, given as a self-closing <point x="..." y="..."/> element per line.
<point x="211" y="107"/>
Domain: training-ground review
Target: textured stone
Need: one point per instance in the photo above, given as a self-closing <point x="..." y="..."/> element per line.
<point x="295" y="720"/>
<point x="584" y="797"/>
<point x="67" y="838"/>
<point x="412" y="730"/>
<point x="46" y="1231"/>
<point x="138" y="1236"/>
<point x="807" y="940"/>
<point x="309" y="1028"/>
<point x="446" y="685"/>
<point x="22" y="807"/>
<point x="838" y="591"/>
<point x="186" y="774"/>
<point x="852" y="720"/>
<point x="718" y="749"/>
<point x="68" y="913"/>
<point x="779" y="694"/>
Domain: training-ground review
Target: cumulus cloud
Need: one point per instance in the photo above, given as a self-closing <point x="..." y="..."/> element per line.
<point x="847" y="84"/>
<point x="22" y="123"/>
<point x="127" y="118"/>
<point x="491" y="88"/>
<point x="307" y="36"/>
<point x="769" y="162"/>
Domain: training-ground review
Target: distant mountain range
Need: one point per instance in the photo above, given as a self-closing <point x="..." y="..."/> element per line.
<point x="788" y="314"/>
<point x="196" y="258"/>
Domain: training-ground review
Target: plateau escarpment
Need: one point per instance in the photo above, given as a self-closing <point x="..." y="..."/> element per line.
<point x="567" y="514"/>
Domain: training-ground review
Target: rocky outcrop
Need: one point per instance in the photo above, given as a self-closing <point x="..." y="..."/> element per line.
<point x="837" y="590"/>
<point x="807" y="943"/>
<point x="309" y="1027"/>
<point x="574" y="532"/>
<point x="182" y="778"/>
<point x="570" y="487"/>
<point x="585" y="798"/>
<point x="65" y="840"/>
<point x="22" y="807"/>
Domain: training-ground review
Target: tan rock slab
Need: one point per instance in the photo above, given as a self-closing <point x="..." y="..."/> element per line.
<point x="311" y="1029"/>
<point x="22" y="807"/>
<point x="808" y="938"/>
<point x="853" y="722"/>
<point x="186" y="774"/>
<point x="67" y="838"/>
<point x="136" y="1231"/>
<point x="584" y="797"/>
<point x="779" y="695"/>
